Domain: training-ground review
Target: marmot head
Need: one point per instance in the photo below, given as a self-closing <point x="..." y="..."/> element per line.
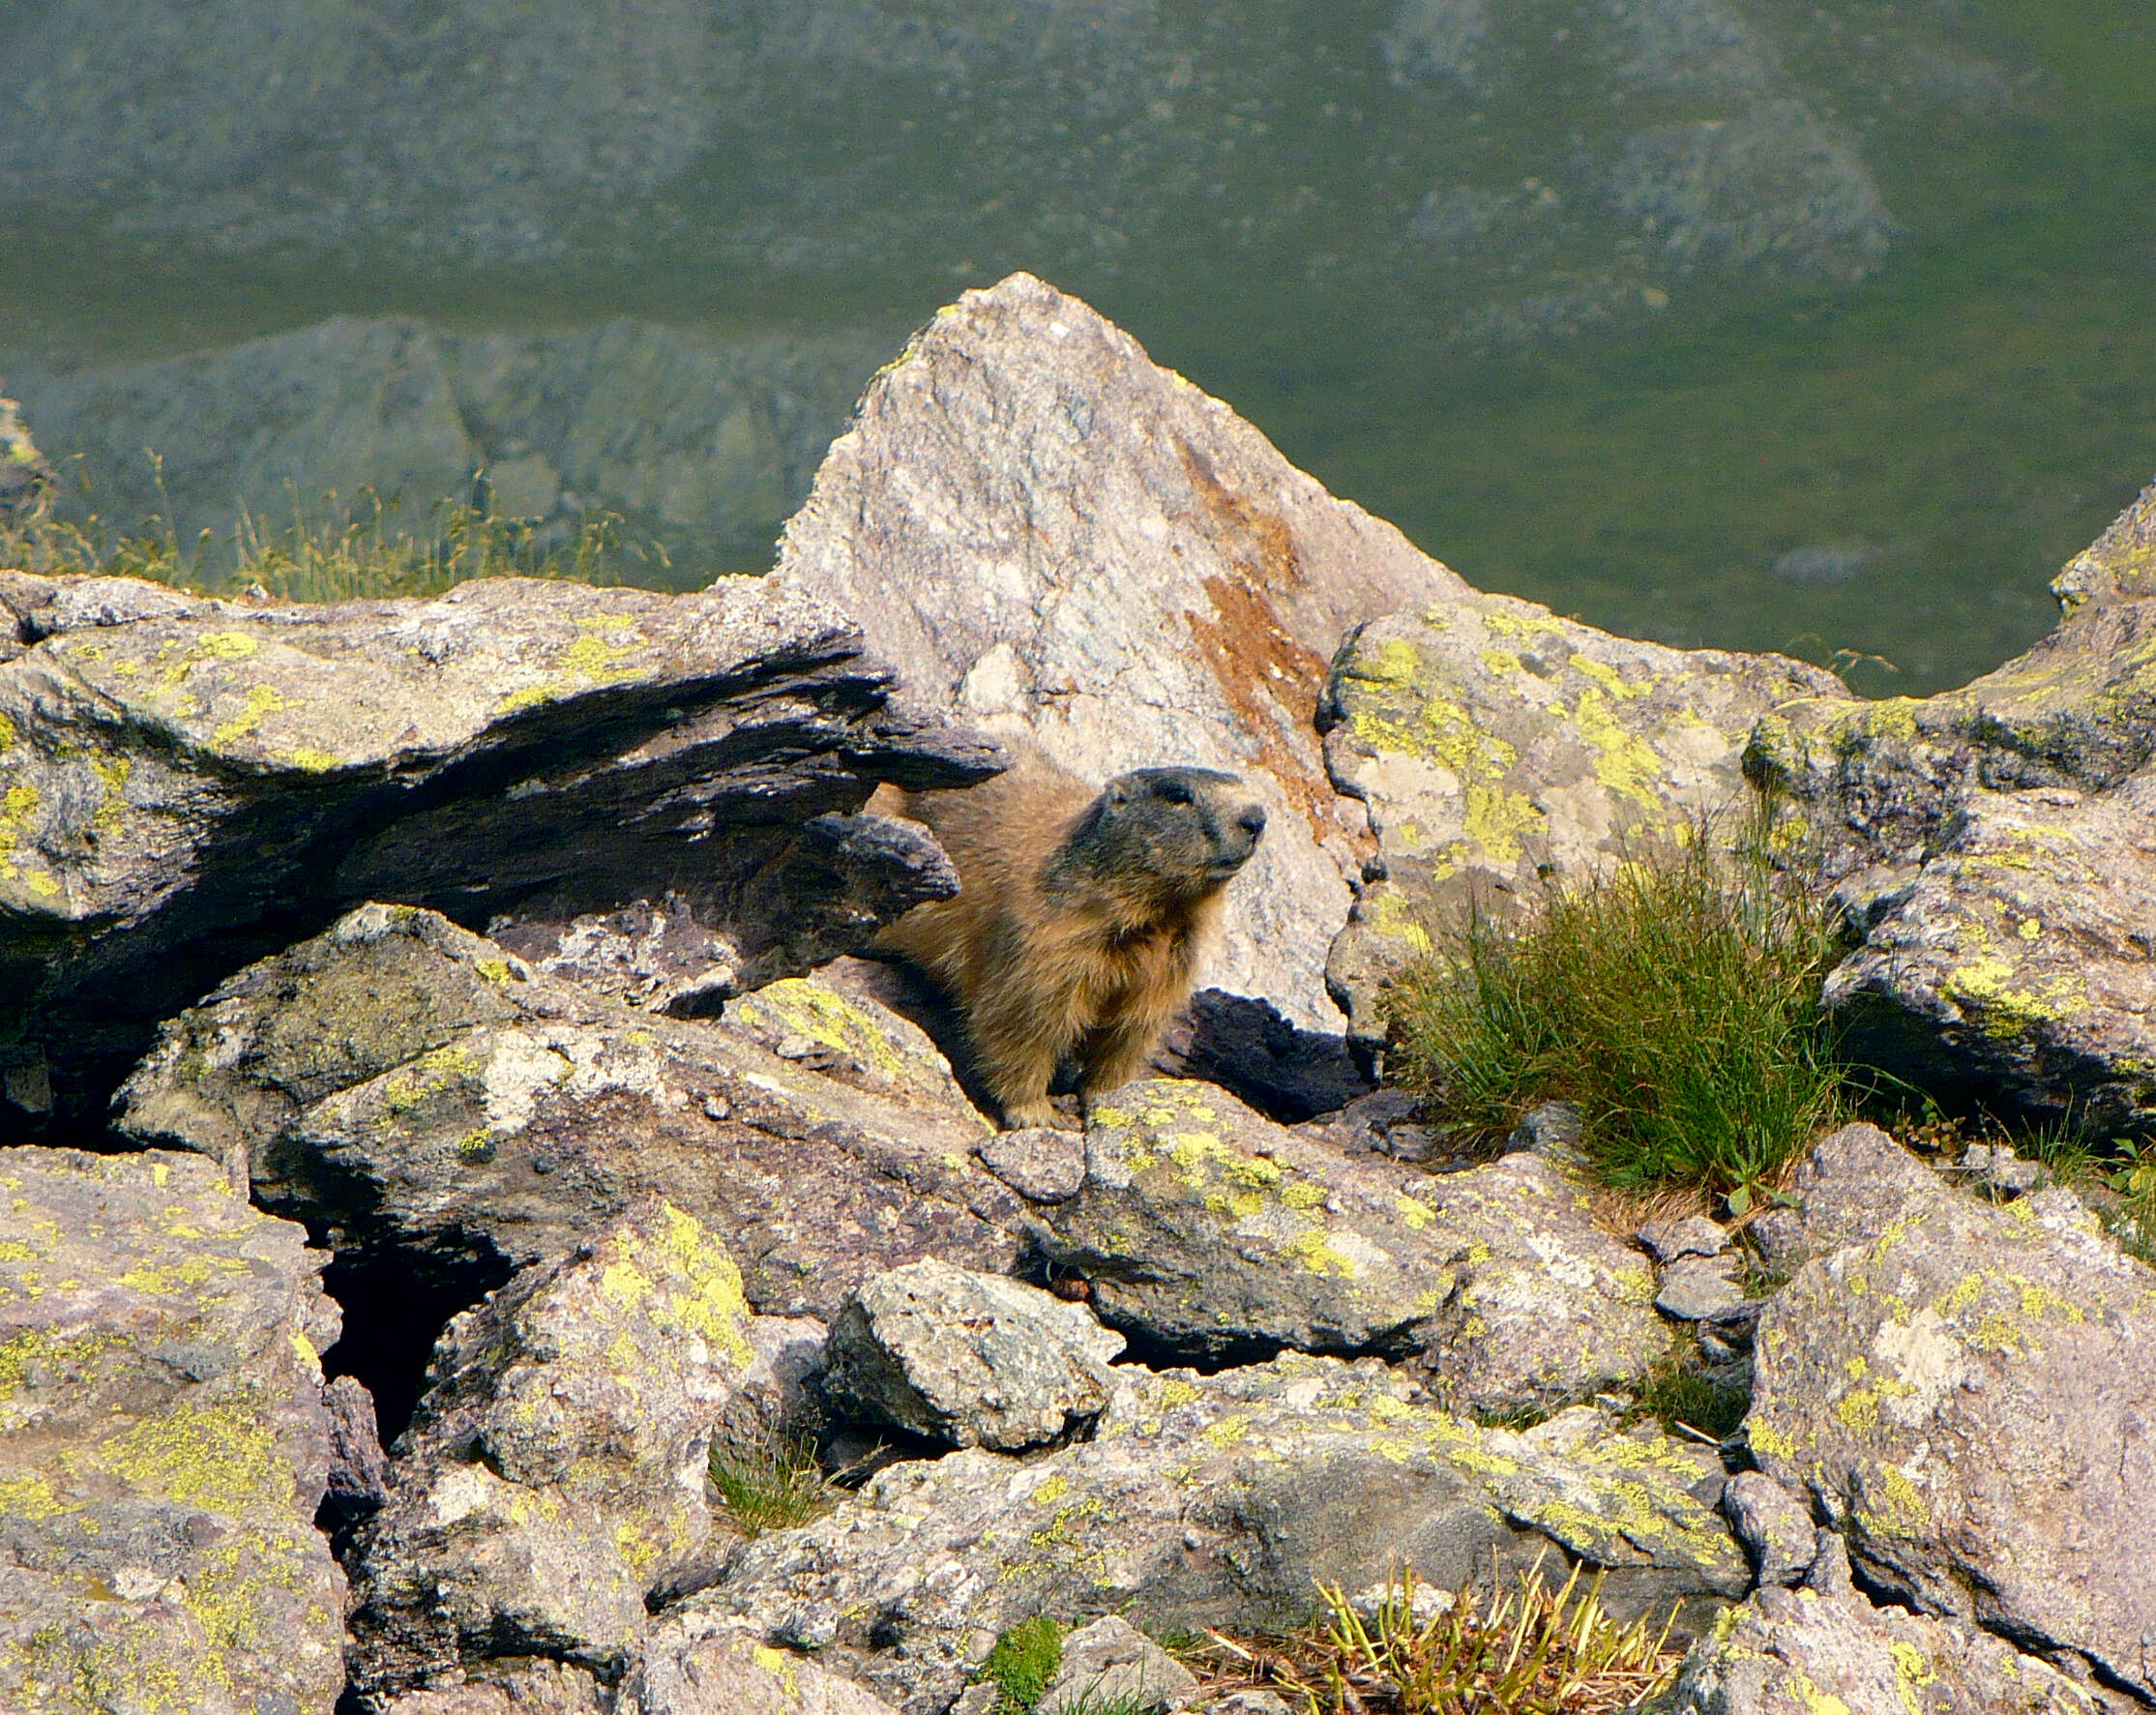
<point x="1159" y="835"/>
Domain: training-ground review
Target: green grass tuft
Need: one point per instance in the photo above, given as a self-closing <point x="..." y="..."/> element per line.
<point x="773" y="1484"/>
<point x="1023" y="1664"/>
<point x="338" y="552"/>
<point x="1676" y="1394"/>
<point x="1675" y="999"/>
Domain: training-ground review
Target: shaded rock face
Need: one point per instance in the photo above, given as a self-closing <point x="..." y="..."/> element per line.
<point x="1498" y="747"/>
<point x="1965" y="1397"/>
<point x="1800" y="1652"/>
<point x="1208" y="1232"/>
<point x="706" y="442"/>
<point x="972" y="1359"/>
<point x="1043" y="529"/>
<point x="1207" y="1500"/>
<point x="185" y="782"/>
<point x="162" y="1444"/>
<point x="555" y="1476"/>
<point x="1992" y="845"/>
<point x="419" y="1089"/>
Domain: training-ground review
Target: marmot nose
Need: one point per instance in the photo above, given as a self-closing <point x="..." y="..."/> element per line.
<point x="1253" y="821"/>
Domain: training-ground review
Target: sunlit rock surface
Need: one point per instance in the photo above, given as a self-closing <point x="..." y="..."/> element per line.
<point x="186" y="785"/>
<point x="162" y="1444"/>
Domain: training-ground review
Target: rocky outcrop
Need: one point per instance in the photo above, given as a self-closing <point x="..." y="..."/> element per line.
<point x="730" y="1670"/>
<point x="970" y="1359"/>
<point x="1827" y="1648"/>
<point x="1217" y="1499"/>
<point x="1499" y="748"/>
<point x="1112" y="1663"/>
<point x="1044" y="530"/>
<point x="185" y="784"/>
<point x="1993" y="846"/>
<point x="426" y="1093"/>
<point x="554" y="1479"/>
<point x="1204" y="1230"/>
<point x="1964" y="1396"/>
<point x="162" y="1444"/>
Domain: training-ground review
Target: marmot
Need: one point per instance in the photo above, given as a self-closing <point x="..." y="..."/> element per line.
<point x="1078" y="919"/>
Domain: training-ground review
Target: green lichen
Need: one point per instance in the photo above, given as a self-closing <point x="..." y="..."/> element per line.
<point x="796" y="1005"/>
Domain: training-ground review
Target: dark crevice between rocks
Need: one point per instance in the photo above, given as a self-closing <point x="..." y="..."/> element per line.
<point x="393" y="1312"/>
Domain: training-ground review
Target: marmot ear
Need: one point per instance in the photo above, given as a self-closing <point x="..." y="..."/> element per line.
<point x="1117" y="795"/>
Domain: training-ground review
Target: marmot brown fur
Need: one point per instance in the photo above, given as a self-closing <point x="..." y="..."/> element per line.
<point x="1079" y="916"/>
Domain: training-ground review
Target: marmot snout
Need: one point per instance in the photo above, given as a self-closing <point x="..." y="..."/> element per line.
<point x="1079" y="917"/>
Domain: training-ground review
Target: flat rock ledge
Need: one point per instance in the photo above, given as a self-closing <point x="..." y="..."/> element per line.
<point x="163" y="1445"/>
<point x="1204" y="1230"/>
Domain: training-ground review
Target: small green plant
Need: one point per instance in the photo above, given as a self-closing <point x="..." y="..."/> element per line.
<point x="1529" y="1650"/>
<point x="1677" y="1396"/>
<point x="1023" y="1664"/>
<point x="1673" y="998"/>
<point x="774" y="1483"/>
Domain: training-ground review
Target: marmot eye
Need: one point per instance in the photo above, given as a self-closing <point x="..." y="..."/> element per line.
<point x="1175" y="791"/>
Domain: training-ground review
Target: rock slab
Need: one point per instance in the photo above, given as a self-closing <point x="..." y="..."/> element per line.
<point x="1965" y="1397"/>
<point x="972" y="1359"/>
<point x="162" y="1444"/>
<point x="174" y="770"/>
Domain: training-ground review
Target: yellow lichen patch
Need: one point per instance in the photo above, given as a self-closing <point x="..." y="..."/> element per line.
<point x="1394" y="663"/>
<point x="1418" y="1214"/>
<point x="1390" y="915"/>
<point x="1495" y="820"/>
<point x="1501" y="661"/>
<point x="7" y="733"/>
<point x="779" y="1665"/>
<point x="1815" y="1700"/>
<point x="37" y="1347"/>
<point x="808" y="1009"/>
<point x="1623" y="761"/>
<point x="1610" y="679"/>
<point x="1508" y="624"/>
<point x="261" y="701"/>
<point x="1766" y="1439"/>
<point x="308" y="760"/>
<point x="219" y="1456"/>
<point x="29" y="1496"/>
<point x="717" y="1307"/>
<point x="1176" y="1392"/>
<point x="1056" y="1487"/>
<point x="2008" y="1007"/>
<point x="1316" y="1253"/>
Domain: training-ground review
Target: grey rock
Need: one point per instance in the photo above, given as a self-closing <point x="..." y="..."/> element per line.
<point x="1694" y="1236"/>
<point x="1997" y="1168"/>
<point x="173" y="779"/>
<point x="1210" y="1232"/>
<point x="1552" y="1131"/>
<point x="1498" y="747"/>
<point x="359" y="1468"/>
<point x="1774" y="1524"/>
<point x="527" y="1688"/>
<point x="163" y="1442"/>
<point x="1852" y="1187"/>
<point x="555" y="1475"/>
<point x="1796" y="1653"/>
<point x="1699" y="1289"/>
<point x="1245" y="1702"/>
<point x="700" y="1669"/>
<point x="1042" y="528"/>
<point x="1215" y="1500"/>
<point x="418" y="1090"/>
<point x="972" y="1359"/>
<point x="1111" y="1662"/>
<point x="1964" y="1397"/>
<point x="1990" y="843"/>
<point x="1041" y="1164"/>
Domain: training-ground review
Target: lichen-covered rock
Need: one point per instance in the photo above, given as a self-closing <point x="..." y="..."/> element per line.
<point x="1815" y="1650"/>
<point x="1045" y="530"/>
<point x="1216" y="1500"/>
<point x="422" y="1091"/>
<point x="1852" y="1186"/>
<point x="527" y="1688"/>
<point x="162" y="1444"/>
<point x="555" y="1476"/>
<point x="1498" y="745"/>
<point x="1208" y="1231"/>
<point x="1992" y="845"/>
<point x="1110" y="1663"/>
<point x="1965" y="1397"/>
<point x="1774" y="1524"/>
<point x="171" y="773"/>
<point x="727" y="1669"/>
<point x="973" y="1359"/>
